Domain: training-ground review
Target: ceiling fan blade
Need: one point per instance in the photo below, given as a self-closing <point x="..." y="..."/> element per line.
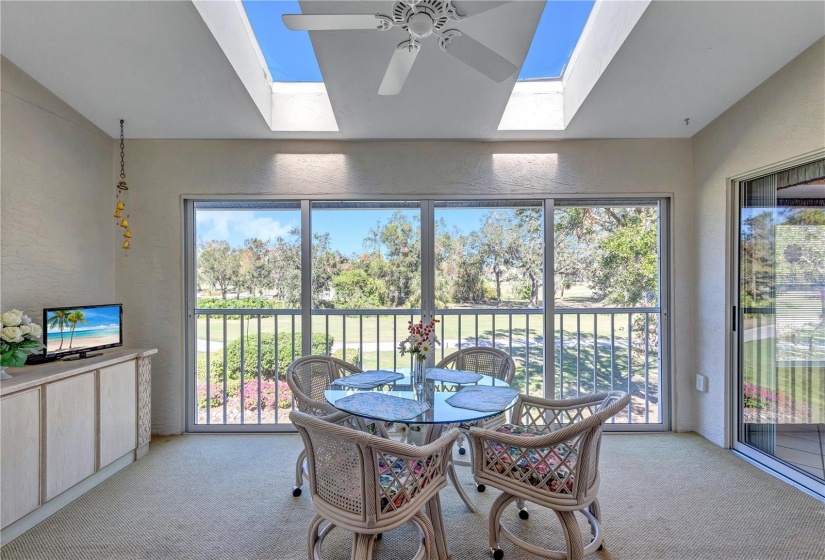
<point x="330" y="22"/>
<point x="468" y="9"/>
<point x="474" y="54"/>
<point x="400" y="65"/>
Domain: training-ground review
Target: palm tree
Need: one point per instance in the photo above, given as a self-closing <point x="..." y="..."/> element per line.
<point x="59" y="319"/>
<point x="74" y="318"/>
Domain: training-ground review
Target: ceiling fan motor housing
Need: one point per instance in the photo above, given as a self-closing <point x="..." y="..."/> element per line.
<point x="424" y="17"/>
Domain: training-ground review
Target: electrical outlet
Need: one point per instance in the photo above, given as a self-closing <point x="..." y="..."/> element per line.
<point x="702" y="383"/>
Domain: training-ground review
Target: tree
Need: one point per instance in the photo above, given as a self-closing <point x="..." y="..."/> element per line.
<point x="59" y="319"/>
<point x="286" y="268"/>
<point x="355" y="289"/>
<point x="525" y="247"/>
<point x="255" y="266"/>
<point x="395" y="258"/>
<point x="73" y="319"/>
<point x="493" y="245"/>
<point x="219" y="264"/>
<point x="326" y="264"/>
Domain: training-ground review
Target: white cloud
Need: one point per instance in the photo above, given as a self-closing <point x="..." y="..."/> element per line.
<point x="236" y="225"/>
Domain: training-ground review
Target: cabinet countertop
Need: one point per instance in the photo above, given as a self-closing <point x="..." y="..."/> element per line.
<point x="27" y="377"/>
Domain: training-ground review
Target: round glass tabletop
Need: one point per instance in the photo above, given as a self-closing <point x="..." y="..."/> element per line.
<point x="434" y="394"/>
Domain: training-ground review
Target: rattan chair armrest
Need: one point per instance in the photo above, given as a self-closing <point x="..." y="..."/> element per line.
<point x="561" y="435"/>
<point x="413" y="451"/>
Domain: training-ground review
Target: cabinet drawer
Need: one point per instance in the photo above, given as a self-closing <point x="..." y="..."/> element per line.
<point x="19" y="455"/>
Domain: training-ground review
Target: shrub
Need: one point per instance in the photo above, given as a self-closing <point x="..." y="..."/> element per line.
<point x="351" y="357"/>
<point x="268" y="389"/>
<point x="243" y="303"/>
<point x="268" y="364"/>
<point x="250" y="394"/>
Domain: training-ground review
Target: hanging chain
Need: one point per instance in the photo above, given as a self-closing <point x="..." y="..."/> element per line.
<point x="122" y="184"/>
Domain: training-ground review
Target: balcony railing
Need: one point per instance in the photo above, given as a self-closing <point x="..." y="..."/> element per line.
<point x="243" y="353"/>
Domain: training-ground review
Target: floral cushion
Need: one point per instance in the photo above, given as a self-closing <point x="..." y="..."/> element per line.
<point x="545" y="467"/>
<point x="400" y="480"/>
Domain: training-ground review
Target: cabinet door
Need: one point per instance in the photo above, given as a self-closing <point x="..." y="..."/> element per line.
<point x="118" y="411"/>
<point x="19" y="455"/>
<point x="70" y="432"/>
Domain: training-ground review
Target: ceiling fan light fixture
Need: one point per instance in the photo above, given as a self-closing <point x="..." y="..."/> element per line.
<point x="420" y="25"/>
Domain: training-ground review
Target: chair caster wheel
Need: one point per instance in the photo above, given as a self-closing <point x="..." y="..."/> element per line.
<point x="524" y="514"/>
<point x="498" y="554"/>
<point x="379" y="536"/>
<point x="601" y="547"/>
<point x="296" y="491"/>
<point x="462" y="451"/>
<point x="481" y="487"/>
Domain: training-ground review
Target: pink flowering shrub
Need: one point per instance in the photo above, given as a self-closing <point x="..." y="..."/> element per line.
<point x="268" y="394"/>
<point x="250" y="394"/>
<point x="760" y="397"/>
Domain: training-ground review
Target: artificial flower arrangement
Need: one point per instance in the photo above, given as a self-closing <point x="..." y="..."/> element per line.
<point x="18" y="339"/>
<point x="421" y="341"/>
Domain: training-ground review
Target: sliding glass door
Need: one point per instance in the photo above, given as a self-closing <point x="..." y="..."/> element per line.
<point x="780" y="323"/>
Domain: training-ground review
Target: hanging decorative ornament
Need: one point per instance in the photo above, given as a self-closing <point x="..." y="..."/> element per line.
<point x="122" y="190"/>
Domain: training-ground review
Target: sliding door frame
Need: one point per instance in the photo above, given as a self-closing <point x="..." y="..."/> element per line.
<point x="733" y="404"/>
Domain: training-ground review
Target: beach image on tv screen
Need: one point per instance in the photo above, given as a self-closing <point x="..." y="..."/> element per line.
<point x="82" y="328"/>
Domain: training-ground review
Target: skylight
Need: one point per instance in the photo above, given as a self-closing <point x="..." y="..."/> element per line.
<point x="558" y="32"/>
<point x="290" y="57"/>
<point x="288" y="54"/>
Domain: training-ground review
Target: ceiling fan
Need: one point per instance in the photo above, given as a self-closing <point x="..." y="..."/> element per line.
<point x="419" y="18"/>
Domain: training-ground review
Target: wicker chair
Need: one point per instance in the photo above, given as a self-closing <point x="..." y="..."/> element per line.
<point x="308" y="377"/>
<point x="551" y="458"/>
<point x="370" y="485"/>
<point x="488" y="361"/>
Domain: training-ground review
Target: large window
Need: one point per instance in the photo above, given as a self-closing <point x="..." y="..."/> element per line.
<point x="269" y="281"/>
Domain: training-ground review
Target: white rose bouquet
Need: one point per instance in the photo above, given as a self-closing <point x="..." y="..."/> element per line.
<point x="18" y="339"/>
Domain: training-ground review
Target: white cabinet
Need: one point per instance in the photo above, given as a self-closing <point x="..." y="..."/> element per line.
<point x="70" y="432"/>
<point x="19" y="455"/>
<point x="118" y="412"/>
<point x="64" y="423"/>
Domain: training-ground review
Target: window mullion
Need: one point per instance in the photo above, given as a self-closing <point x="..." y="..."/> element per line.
<point x="306" y="279"/>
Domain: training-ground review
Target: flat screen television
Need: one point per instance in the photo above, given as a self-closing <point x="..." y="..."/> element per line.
<point x="81" y="330"/>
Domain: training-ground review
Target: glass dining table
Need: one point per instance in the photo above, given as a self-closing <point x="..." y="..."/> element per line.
<point x="439" y="403"/>
<point x="446" y="398"/>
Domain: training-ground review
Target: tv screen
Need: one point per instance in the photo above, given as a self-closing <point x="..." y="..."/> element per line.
<point x="81" y="329"/>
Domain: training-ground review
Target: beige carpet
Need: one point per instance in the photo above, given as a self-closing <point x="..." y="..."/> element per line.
<point x="229" y="496"/>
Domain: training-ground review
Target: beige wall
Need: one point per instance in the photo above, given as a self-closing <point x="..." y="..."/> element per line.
<point x="56" y="200"/>
<point x="781" y="119"/>
<point x="149" y="280"/>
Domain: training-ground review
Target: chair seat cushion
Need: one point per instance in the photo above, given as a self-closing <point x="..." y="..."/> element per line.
<point x="401" y="479"/>
<point x="549" y="468"/>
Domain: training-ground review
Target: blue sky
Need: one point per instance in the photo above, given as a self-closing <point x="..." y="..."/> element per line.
<point x="290" y="57"/>
<point x="347" y="228"/>
<point x="96" y="317"/>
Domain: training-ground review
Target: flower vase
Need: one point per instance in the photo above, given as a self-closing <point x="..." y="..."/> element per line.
<point x="418" y="376"/>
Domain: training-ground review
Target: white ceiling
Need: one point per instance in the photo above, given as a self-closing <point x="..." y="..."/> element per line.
<point x="157" y="65"/>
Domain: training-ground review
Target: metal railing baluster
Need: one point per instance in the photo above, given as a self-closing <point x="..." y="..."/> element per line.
<point x="208" y="376"/>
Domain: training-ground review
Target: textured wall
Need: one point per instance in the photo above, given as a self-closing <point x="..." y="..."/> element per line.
<point x="57" y="197"/>
<point x="781" y="119"/>
<point x="149" y="281"/>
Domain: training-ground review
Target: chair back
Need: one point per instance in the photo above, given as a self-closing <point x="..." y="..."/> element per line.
<point x="366" y="483"/>
<point x="479" y="359"/>
<point x="309" y="376"/>
<point x="552" y="454"/>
